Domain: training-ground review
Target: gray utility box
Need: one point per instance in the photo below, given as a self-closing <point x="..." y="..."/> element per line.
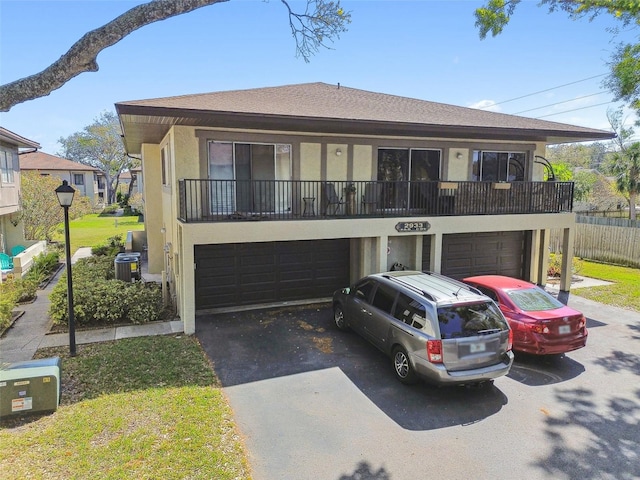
<point x="30" y="387"/>
<point x="127" y="266"/>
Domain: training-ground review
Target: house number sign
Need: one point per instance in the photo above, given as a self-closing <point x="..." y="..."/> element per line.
<point x="412" y="226"/>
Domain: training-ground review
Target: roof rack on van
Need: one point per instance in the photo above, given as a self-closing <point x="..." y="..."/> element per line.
<point x="411" y="287"/>
<point x="456" y="282"/>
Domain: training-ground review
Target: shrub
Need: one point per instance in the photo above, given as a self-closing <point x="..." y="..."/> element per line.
<point x="6" y="307"/>
<point x="8" y="301"/>
<point x="43" y="266"/>
<point x="113" y="246"/>
<point x="555" y="265"/>
<point x="99" y="299"/>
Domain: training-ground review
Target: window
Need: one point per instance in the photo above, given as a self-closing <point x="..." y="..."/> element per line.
<point x="384" y="298"/>
<point x="397" y="166"/>
<point x="363" y="291"/>
<point x="498" y="166"/>
<point x="468" y="320"/>
<point x="411" y="312"/>
<point x="78" y="179"/>
<point x="488" y="292"/>
<point x="250" y="174"/>
<point x="6" y="165"/>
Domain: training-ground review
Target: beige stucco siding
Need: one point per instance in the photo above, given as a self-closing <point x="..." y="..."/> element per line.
<point x="363" y="163"/>
<point x="310" y="164"/>
<point x="153" y="215"/>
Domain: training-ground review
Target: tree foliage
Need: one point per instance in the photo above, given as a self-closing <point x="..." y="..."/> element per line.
<point x="41" y="212"/>
<point x="99" y="145"/>
<point x="578" y="155"/>
<point x="321" y="21"/>
<point x="624" y="78"/>
<point x="624" y="164"/>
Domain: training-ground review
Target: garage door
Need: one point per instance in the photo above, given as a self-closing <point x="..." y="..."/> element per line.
<point x="500" y="253"/>
<point x="252" y="273"/>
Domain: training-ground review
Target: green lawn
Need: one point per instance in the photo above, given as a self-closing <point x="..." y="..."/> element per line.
<point x="625" y="291"/>
<point x="92" y="230"/>
<point x="139" y="408"/>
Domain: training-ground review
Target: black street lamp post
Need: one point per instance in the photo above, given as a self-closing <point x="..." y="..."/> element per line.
<point x="65" y="194"/>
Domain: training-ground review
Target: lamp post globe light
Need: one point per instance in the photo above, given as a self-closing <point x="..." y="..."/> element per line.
<point x="65" y="194"/>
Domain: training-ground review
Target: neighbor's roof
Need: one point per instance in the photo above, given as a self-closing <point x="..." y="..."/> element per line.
<point x="44" y="161"/>
<point x="323" y="108"/>
<point x="13" y="138"/>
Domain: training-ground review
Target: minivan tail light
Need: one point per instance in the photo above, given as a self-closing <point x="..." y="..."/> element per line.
<point x="434" y="351"/>
<point x="510" y="344"/>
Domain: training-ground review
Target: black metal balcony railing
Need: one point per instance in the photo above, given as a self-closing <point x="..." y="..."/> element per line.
<point x="232" y="200"/>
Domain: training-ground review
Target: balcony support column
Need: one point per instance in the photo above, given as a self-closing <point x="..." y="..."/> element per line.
<point x="436" y="253"/>
<point x="567" y="259"/>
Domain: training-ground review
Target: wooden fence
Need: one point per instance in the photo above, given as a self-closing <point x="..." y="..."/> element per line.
<point x="610" y="240"/>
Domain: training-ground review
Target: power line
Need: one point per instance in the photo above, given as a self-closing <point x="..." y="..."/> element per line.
<point x="560" y="103"/>
<point x="575" y="109"/>
<point x="543" y="91"/>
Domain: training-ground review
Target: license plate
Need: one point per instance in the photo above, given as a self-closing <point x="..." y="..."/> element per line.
<point x="563" y="329"/>
<point x="477" y="347"/>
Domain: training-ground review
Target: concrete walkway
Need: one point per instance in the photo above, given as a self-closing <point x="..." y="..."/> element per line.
<point x="31" y="330"/>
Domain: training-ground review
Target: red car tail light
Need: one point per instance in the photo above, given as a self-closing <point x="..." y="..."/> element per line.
<point x="539" y="328"/>
<point x="434" y="351"/>
<point x="510" y="344"/>
<point x="582" y="323"/>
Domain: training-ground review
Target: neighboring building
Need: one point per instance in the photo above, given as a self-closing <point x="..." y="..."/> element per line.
<point x="138" y="182"/>
<point x="287" y="193"/>
<point x="11" y="226"/>
<point x="88" y="181"/>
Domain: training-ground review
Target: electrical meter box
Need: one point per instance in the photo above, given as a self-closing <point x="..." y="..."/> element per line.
<point x="30" y="387"/>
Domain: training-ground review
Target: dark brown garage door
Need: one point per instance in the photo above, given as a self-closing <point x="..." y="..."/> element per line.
<point x="500" y="253"/>
<point x="252" y="273"/>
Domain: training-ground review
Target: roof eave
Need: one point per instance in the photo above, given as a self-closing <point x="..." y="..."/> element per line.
<point x="147" y="124"/>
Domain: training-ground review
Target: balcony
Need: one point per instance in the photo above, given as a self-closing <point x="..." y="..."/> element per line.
<point x="251" y="200"/>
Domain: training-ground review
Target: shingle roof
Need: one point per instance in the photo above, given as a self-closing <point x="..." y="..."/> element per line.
<point x="44" y="161"/>
<point x="18" y="140"/>
<point x="344" y="108"/>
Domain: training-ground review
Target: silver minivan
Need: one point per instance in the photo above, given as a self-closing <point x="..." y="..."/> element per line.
<point x="433" y="327"/>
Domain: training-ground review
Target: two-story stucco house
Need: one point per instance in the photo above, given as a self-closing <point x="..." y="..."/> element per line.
<point x="287" y="193"/>
<point x="12" y="241"/>
<point x="87" y="181"/>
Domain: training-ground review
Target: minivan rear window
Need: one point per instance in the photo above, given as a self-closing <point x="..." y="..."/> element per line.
<point x="470" y="319"/>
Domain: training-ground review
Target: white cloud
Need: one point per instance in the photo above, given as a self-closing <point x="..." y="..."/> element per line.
<point x="488" y="105"/>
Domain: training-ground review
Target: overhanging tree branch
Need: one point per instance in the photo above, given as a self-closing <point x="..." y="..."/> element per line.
<point x="322" y="19"/>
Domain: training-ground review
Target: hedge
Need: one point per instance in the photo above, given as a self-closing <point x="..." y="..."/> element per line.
<point x="99" y="299"/>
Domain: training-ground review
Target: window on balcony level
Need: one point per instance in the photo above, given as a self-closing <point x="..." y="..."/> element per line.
<point x="6" y="165"/>
<point x="498" y="166"/>
<point x="252" y="171"/>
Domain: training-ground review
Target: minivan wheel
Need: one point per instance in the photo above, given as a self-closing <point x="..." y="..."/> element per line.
<point x="402" y="366"/>
<point x="338" y="317"/>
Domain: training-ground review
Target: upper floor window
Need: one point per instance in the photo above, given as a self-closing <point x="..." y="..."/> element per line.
<point x="78" y="179"/>
<point x="6" y="165"/>
<point x="498" y="166"/>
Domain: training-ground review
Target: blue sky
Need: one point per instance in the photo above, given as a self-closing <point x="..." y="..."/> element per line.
<point x="421" y="49"/>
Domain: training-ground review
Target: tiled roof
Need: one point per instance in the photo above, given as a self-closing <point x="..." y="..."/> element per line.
<point x="44" y="161"/>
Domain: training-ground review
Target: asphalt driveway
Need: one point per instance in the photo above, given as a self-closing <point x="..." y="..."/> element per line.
<point x="314" y="402"/>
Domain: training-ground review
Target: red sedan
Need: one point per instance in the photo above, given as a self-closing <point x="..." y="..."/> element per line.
<point x="541" y="324"/>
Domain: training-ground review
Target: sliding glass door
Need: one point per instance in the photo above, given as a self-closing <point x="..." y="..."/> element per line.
<point x="405" y="173"/>
<point x="253" y="169"/>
